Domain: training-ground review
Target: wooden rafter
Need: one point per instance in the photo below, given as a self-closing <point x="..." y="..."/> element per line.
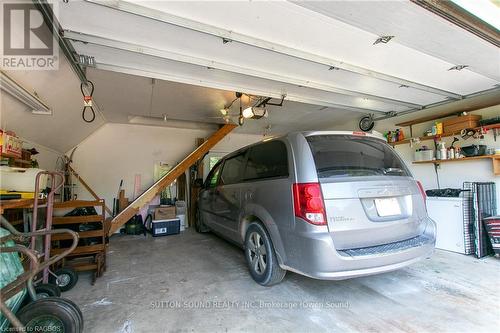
<point x="168" y="178"/>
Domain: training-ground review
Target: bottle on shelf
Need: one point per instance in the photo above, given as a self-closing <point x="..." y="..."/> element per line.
<point x="439" y="128"/>
<point x="442" y="151"/>
<point x="452" y="153"/>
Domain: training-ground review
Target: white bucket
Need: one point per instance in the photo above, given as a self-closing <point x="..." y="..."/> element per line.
<point x="182" y="218"/>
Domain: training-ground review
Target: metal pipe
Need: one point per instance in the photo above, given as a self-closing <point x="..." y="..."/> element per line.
<point x="17" y="285"/>
<point x="48" y="219"/>
<point x="67" y="49"/>
<point x="11" y="317"/>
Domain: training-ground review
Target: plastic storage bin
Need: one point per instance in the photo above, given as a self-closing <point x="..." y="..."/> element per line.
<point x="492" y="225"/>
<point x="424" y="155"/>
<point x="165" y="227"/>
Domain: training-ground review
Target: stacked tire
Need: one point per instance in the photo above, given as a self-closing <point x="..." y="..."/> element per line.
<point x="51" y="314"/>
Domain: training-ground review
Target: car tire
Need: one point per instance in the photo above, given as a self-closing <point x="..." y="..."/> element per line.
<point x="261" y="257"/>
<point x="44" y="290"/>
<point x="77" y="310"/>
<point x="198" y="223"/>
<point x="66" y="278"/>
<point x="50" y="314"/>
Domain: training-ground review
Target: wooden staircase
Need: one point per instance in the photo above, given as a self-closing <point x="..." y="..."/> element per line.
<point x="168" y="178"/>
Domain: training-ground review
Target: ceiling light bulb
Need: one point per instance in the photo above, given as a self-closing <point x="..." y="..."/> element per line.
<point x="248" y="112"/>
<point x="164" y="117"/>
<point x="223" y="111"/>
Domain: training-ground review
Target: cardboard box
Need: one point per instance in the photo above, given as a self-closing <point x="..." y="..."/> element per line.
<point x="165" y="213"/>
<point x="457" y="124"/>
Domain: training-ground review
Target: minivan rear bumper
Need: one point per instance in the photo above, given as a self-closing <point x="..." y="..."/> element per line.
<point x="319" y="259"/>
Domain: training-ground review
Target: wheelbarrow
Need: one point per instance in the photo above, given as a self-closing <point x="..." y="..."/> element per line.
<point x="46" y="314"/>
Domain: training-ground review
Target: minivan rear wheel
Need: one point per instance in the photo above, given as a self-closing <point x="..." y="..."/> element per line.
<point x="261" y="257"/>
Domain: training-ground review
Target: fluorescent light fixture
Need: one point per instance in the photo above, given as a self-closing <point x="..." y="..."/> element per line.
<point x="254" y="113"/>
<point x="175" y="123"/>
<point x="485" y="10"/>
<point x="17" y="91"/>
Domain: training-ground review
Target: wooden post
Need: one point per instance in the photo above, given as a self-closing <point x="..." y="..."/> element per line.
<point x="168" y="178"/>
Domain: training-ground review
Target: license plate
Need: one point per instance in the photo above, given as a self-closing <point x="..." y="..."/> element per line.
<point x="387" y="207"/>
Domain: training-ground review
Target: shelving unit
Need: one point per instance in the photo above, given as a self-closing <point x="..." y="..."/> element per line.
<point x="432" y="137"/>
<point x="495" y="160"/>
<point x="16" y="160"/>
<point x="90" y="254"/>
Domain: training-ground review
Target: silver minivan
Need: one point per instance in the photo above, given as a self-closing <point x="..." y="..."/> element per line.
<point x="328" y="205"/>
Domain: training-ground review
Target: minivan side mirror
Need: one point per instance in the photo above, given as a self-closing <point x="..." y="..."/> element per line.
<point x="198" y="182"/>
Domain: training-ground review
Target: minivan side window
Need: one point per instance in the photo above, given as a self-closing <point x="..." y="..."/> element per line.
<point x="213" y="176"/>
<point x="267" y="160"/>
<point x="232" y="170"/>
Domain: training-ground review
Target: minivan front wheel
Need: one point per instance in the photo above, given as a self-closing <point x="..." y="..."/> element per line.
<point x="260" y="256"/>
<point x="198" y="223"/>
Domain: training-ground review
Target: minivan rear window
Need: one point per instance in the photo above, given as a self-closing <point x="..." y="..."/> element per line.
<point x="351" y="156"/>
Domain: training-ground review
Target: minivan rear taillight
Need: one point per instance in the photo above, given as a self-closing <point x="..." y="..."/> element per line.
<point x="308" y="203"/>
<point x="422" y="192"/>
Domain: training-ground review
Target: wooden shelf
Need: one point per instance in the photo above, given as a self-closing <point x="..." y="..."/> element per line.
<point x="9" y="155"/>
<point x="18" y="203"/>
<point x="429" y="118"/>
<point x="444" y="135"/>
<point x="77" y="203"/>
<point x="80" y="250"/>
<point x="26" y="162"/>
<point x="495" y="160"/>
<point x="77" y="219"/>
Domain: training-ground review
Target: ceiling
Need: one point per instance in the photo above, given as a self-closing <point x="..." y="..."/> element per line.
<point x="60" y="90"/>
<point x="186" y="59"/>
<point x="315" y="52"/>
<point x="122" y="96"/>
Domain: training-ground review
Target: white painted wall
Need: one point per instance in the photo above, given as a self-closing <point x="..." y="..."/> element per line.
<point x="47" y="157"/>
<point x="120" y="151"/>
<point x="450" y="174"/>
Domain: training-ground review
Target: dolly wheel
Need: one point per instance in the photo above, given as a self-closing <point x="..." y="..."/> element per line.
<point x="51" y="314"/>
<point x="44" y="290"/>
<point x="66" y="278"/>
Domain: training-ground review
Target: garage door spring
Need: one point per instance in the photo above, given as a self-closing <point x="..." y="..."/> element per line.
<point x="87" y="102"/>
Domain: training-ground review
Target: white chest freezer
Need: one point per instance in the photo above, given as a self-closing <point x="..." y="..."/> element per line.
<point x="448" y="213"/>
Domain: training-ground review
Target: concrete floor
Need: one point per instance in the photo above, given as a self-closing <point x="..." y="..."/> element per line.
<point x="199" y="283"/>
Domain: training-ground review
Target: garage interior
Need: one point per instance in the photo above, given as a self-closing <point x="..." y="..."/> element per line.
<point x="136" y="101"/>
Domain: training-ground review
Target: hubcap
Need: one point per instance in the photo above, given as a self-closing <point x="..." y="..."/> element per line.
<point x="63" y="280"/>
<point x="45" y="323"/>
<point x="257" y="253"/>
